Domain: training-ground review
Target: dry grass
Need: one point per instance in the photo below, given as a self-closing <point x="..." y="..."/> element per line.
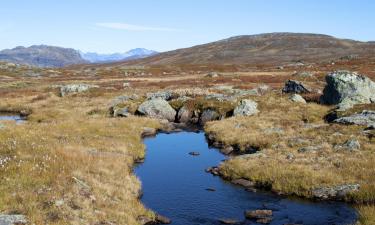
<point x="68" y="166"/>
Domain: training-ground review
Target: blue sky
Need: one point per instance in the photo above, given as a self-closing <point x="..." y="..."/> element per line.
<point x="119" y="25"/>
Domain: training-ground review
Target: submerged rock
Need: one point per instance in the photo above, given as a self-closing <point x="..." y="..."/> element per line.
<point x="246" y="107"/>
<point x="228" y="221"/>
<point x="293" y="86"/>
<point x="157" y="108"/>
<point x="347" y="89"/>
<point x="335" y="193"/>
<point x="263" y="216"/>
<point x="194" y="153"/>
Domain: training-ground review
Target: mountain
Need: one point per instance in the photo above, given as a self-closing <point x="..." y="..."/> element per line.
<point x="42" y="56"/>
<point x="271" y="48"/>
<point x="137" y="53"/>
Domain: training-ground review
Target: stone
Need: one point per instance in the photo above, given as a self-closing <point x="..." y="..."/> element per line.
<point x="258" y="214"/>
<point x="228" y="221"/>
<point x="121" y="112"/>
<point x="162" y="219"/>
<point x="309" y="149"/>
<point x="75" y="88"/>
<point x="243" y="182"/>
<point x="126" y="85"/>
<point x="210" y="189"/>
<point x="365" y="118"/>
<point x="297" y="98"/>
<point x="209" y="115"/>
<point x="246" y="107"/>
<point x="148" y="131"/>
<point x="194" y="153"/>
<point x="157" y="108"/>
<point x="349" y="145"/>
<point x="212" y="75"/>
<point x="347" y="89"/>
<point x="12" y="219"/>
<point x="220" y="97"/>
<point x="184" y="115"/>
<point x="334" y="193"/>
<point x="213" y="170"/>
<point x="293" y="86"/>
<point x="303" y="74"/>
<point x="165" y="95"/>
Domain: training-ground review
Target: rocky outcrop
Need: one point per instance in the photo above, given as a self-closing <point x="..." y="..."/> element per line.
<point x="246" y="107"/>
<point x="293" y="86"/>
<point x="297" y="98"/>
<point x="365" y="118"/>
<point x="157" y="108"/>
<point x="12" y="219"/>
<point x="347" y="89"/>
<point x="335" y="193"/>
<point x="75" y="88"/>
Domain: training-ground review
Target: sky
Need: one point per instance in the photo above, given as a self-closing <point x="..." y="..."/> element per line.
<point x="108" y="26"/>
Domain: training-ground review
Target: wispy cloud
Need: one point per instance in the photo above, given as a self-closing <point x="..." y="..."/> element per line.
<point x="132" y="27"/>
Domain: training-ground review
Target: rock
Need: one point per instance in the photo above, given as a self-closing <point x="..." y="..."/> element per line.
<point x="210" y="189"/>
<point x="297" y="98"/>
<point x="121" y="112"/>
<point x="293" y="86"/>
<point x="162" y="219"/>
<point x="157" y="108"/>
<point x="144" y="220"/>
<point x="59" y="203"/>
<point x="122" y="99"/>
<point x="228" y="221"/>
<point x="303" y="74"/>
<point x="246" y="107"/>
<point x="349" y="145"/>
<point x="290" y="156"/>
<point x="165" y="95"/>
<point x="12" y="219"/>
<point x="220" y="97"/>
<point x="208" y="115"/>
<point x="212" y="75"/>
<point x="213" y="170"/>
<point x="243" y="182"/>
<point x="126" y="85"/>
<point x="365" y="118"/>
<point x="194" y="153"/>
<point x="75" y="88"/>
<point x="148" y="131"/>
<point x="184" y="115"/>
<point x="227" y="150"/>
<point x="258" y="214"/>
<point x="347" y="89"/>
<point x="335" y="193"/>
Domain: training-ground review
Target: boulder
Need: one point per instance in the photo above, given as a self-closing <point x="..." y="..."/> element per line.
<point x="335" y="193"/>
<point x="75" y="88"/>
<point x="365" y="118"/>
<point x="209" y="115"/>
<point x="263" y="216"/>
<point x="157" y="108"/>
<point x="148" y="131"/>
<point x="349" y="145"/>
<point x="194" y="153"/>
<point x="246" y="107"/>
<point x="12" y="219"/>
<point x="162" y="219"/>
<point x="297" y="98"/>
<point x="347" y="89"/>
<point x="184" y="115"/>
<point x="243" y="182"/>
<point x="121" y="112"/>
<point x="293" y="86"/>
<point x="165" y="95"/>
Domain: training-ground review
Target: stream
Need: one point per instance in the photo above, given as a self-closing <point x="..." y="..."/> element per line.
<point x="174" y="185"/>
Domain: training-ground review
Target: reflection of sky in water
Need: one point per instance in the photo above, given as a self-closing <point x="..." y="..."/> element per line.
<point x="174" y="184"/>
<point x="16" y="118"/>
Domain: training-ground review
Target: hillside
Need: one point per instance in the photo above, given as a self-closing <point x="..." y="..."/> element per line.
<point x="136" y="53"/>
<point x="272" y="48"/>
<point x="42" y="56"/>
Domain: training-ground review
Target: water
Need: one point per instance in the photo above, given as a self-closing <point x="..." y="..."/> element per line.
<point x="174" y="185"/>
<point x="16" y="118"/>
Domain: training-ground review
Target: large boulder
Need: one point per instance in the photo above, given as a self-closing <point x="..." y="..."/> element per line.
<point x="293" y="86"/>
<point x="157" y="108"/>
<point x="75" y="88"/>
<point x="246" y="107"/>
<point x="347" y="89"/>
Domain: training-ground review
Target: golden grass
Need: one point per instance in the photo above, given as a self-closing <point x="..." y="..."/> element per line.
<point x="68" y="166"/>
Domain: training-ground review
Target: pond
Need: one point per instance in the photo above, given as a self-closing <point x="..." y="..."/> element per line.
<point x="17" y="118"/>
<point x="175" y="185"/>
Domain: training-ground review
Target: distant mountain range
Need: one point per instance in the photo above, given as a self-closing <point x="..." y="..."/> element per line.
<point x="136" y="53"/>
<point x="261" y="49"/>
<point x="51" y="56"/>
<point x="42" y="56"/>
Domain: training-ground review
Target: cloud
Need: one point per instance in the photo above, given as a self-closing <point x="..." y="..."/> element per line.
<point x="132" y="27"/>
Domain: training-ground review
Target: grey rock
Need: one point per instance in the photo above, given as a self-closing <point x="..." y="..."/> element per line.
<point x="258" y="214"/>
<point x="184" y="115"/>
<point x="228" y="221"/>
<point x="309" y="149"/>
<point x="12" y="219"/>
<point x="290" y="156"/>
<point x="349" y="145"/>
<point x="297" y="98"/>
<point x="157" y="108"/>
<point x="212" y="75"/>
<point x="365" y="118"/>
<point x="122" y="99"/>
<point x="220" y="97"/>
<point x="165" y="95"/>
<point x="162" y="219"/>
<point x="209" y="115"/>
<point x="335" y="193"/>
<point x="347" y="89"/>
<point x="243" y="182"/>
<point x="121" y="112"/>
<point x="75" y="88"/>
<point x="246" y="107"/>
<point x="293" y="86"/>
<point x="148" y="131"/>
